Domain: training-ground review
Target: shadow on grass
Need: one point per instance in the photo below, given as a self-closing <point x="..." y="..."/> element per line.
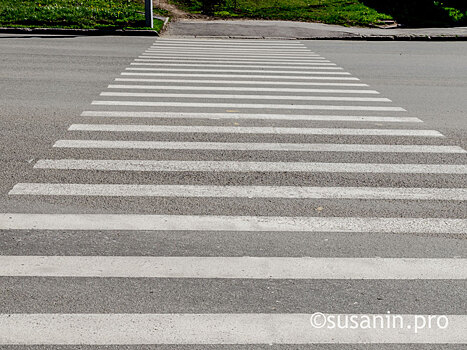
<point x="423" y="13"/>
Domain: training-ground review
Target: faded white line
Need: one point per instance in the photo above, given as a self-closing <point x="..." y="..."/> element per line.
<point x="20" y="221"/>
<point x="233" y="53"/>
<point x="232" y="56"/>
<point x="236" y="88"/>
<point x="230" y="45"/>
<point x="246" y="46"/>
<point x="230" y="66"/>
<point x="239" y="46"/>
<point x="252" y="130"/>
<point x="291" y="192"/>
<point x="191" y="62"/>
<point x="302" y="72"/>
<point x="254" y="116"/>
<point x="245" y="96"/>
<point x="275" y="46"/>
<point x="215" y="41"/>
<point x="221" y="329"/>
<point x="233" y="267"/>
<point x="290" y="51"/>
<point x="248" y="106"/>
<point x="234" y="166"/>
<point x="175" y="58"/>
<point x="251" y="46"/>
<point x="239" y="82"/>
<point x="275" y="147"/>
<point x="239" y="76"/>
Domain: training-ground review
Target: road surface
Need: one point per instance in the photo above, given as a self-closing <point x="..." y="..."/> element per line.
<point x="222" y="192"/>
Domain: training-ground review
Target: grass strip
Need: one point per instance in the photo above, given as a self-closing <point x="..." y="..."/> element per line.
<point x="342" y="12"/>
<point x="75" y="14"/>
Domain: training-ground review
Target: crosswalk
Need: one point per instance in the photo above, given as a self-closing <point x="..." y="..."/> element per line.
<point x="221" y="192"/>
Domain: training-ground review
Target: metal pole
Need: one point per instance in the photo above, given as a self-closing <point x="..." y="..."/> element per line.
<point x="149" y="13"/>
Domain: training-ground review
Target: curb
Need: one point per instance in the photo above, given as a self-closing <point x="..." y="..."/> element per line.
<point x="166" y="22"/>
<point x="66" y="31"/>
<point x="407" y="37"/>
<point x="410" y="37"/>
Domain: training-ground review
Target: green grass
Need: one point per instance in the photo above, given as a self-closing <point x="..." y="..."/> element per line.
<point x="346" y="12"/>
<point x="96" y="14"/>
<point x="343" y="12"/>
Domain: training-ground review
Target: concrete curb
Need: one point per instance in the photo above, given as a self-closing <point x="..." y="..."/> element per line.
<point x="393" y="38"/>
<point x="348" y="38"/>
<point x="166" y="22"/>
<point x="66" y="31"/>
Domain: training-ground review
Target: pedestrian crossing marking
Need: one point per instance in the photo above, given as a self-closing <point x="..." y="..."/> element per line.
<point x="263" y="76"/>
<point x="234" y="267"/>
<point x="287" y="106"/>
<point x="239" y="82"/>
<point x="275" y="147"/>
<point x="252" y="130"/>
<point x="233" y="114"/>
<point x="232" y="63"/>
<point x="175" y="58"/>
<point x="236" y="88"/>
<point x="245" y="97"/>
<point x="215" y="329"/>
<point x="134" y="222"/>
<point x="161" y="65"/>
<point x="122" y="190"/>
<point x="301" y="72"/>
<point x="234" y="166"/>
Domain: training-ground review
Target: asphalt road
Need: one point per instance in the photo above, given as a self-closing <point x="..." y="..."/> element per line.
<point x="46" y="84"/>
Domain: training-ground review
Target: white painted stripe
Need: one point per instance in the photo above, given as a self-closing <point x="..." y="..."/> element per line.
<point x="236" y="88"/>
<point x="232" y="55"/>
<point x="275" y="46"/>
<point x="276" y="147"/>
<point x="252" y="41"/>
<point x="230" y="42"/>
<point x="248" y="105"/>
<point x="175" y="58"/>
<point x="233" y="71"/>
<point x="229" y="65"/>
<point x="252" y="130"/>
<point x="233" y="267"/>
<point x="241" y="82"/>
<point x="285" y="45"/>
<point x="178" y="115"/>
<point x="234" y="166"/>
<point x="245" y="97"/>
<point x="233" y="46"/>
<point x="259" y="42"/>
<point x="129" y="222"/>
<point x="294" y="50"/>
<point x="238" y="76"/>
<point x="293" y="192"/>
<point x="191" y="62"/>
<point x="221" y="329"/>
<point x="229" y="45"/>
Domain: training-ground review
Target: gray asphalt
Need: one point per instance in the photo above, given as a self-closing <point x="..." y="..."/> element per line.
<point x="47" y="82"/>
